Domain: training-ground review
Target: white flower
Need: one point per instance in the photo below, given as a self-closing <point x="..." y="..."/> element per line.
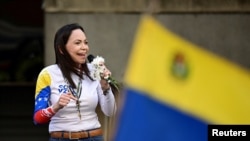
<point x="99" y="67"/>
<point x="98" y="64"/>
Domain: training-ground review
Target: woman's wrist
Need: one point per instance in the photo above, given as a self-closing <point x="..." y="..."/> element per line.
<point x="106" y="91"/>
<point x="55" y="108"/>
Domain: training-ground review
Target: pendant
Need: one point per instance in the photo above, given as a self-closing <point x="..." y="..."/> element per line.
<point x="78" y="109"/>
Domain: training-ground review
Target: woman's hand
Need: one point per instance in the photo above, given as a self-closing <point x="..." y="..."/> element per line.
<point x="104" y="81"/>
<point x="105" y="85"/>
<point x="105" y="72"/>
<point x="63" y="100"/>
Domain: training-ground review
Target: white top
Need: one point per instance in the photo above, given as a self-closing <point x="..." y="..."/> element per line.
<point x="51" y="84"/>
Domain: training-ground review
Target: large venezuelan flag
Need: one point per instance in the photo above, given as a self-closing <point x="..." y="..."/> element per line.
<point x="174" y="89"/>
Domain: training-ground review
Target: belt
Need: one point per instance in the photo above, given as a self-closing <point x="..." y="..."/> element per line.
<point x="76" y="135"/>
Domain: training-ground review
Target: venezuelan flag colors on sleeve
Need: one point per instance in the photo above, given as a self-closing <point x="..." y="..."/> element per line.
<point x="174" y="89"/>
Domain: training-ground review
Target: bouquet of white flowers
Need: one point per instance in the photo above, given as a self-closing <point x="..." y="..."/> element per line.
<point x="98" y="63"/>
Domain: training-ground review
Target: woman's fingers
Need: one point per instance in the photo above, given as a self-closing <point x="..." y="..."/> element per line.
<point x="107" y="72"/>
<point x="65" y="99"/>
<point x="71" y="96"/>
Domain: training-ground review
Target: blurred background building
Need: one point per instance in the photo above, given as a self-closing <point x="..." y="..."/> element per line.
<point x="27" y="31"/>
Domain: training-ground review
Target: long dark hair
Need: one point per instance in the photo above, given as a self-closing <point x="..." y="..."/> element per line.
<point x="63" y="59"/>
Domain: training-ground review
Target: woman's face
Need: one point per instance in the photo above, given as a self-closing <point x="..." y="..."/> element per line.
<point x="77" y="46"/>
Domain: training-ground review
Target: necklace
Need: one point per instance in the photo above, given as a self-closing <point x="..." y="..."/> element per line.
<point x="77" y="94"/>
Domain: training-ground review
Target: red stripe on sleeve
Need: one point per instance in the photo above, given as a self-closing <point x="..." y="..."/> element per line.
<point x="44" y="115"/>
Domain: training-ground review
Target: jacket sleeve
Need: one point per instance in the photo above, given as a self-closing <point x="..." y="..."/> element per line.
<point x="107" y="101"/>
<point x="42" y="95"/>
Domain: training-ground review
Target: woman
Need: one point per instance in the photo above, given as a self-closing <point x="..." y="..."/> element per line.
<point x="66" y="94"/>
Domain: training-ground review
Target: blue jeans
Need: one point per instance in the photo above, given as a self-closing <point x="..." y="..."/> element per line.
<point x="95" y="138"/>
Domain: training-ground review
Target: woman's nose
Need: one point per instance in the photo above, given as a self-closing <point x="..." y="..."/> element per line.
<point x="83" y="46"/>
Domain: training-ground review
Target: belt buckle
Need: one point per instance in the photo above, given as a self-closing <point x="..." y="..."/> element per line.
<point x="70" y="136"/>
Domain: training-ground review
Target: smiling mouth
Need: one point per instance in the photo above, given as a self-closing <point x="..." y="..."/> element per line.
<point x="81" y="54"/>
